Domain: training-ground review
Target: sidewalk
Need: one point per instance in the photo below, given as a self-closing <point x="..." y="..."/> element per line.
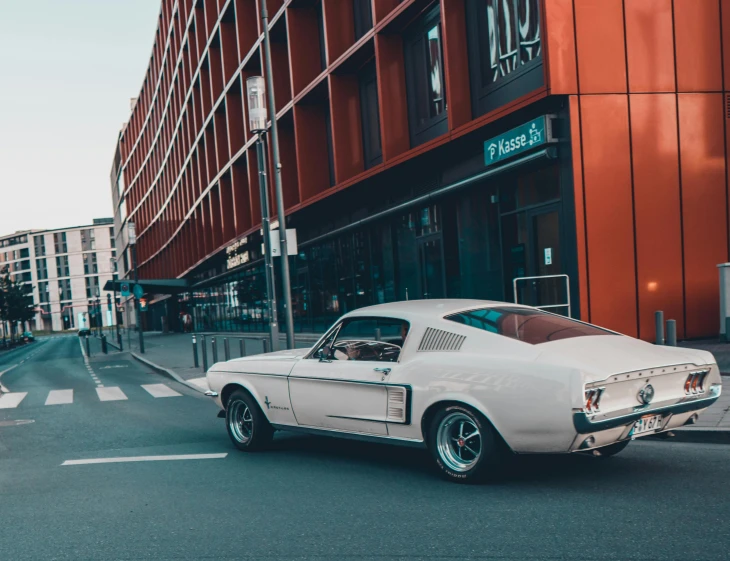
<point x="174" y="351"/>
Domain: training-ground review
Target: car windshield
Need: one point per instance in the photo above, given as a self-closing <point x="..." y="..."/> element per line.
<point x="526" y="324"/>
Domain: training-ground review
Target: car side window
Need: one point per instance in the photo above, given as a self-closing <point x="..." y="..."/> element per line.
<point x="367" y="339"/>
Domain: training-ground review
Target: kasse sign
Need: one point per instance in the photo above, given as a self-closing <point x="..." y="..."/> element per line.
<point x="518" y="140"/>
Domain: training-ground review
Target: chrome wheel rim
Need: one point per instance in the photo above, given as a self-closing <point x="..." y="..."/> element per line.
<point x="459" y="442"/>
<point x="240" y="421"/>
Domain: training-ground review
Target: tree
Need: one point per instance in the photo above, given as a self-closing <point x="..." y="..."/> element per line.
<point x="16" y="304"/>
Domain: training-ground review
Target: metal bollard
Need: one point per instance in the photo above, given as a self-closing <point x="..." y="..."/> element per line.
<point x="659" y="327"/>
<point x="727" y="333"/>
<point x="377" y="334"/>
<point x="671" y="333"/>
<point x="195" y="351"/>
<point x="205" y="353"/>
<point x="119" y="341"/>
<point x="88" y="347"/>
<point x="266" y="345"/>
<point x="104" y="348"/>
<point x="214" y="346"/>
<point x="226" y="349"/>
<point x="242" y="346"/>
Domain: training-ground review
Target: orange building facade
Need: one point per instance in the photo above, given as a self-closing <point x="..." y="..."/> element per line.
<point x="386" y="110"/>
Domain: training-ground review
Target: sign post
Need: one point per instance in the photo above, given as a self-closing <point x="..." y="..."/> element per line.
<point x="132" y="237"/>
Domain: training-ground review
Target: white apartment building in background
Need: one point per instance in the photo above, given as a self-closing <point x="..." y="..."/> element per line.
<point x="66" y="268"/>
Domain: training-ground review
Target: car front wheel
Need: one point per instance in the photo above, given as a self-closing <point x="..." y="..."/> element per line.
<point x="247" y="426"/>
<point x="464" y="445"/>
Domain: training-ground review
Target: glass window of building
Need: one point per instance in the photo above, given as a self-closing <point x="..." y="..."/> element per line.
<point x="62" y="269"/>
<point x="112" y="241"/>
<point x="363" y="15"/>
<point x="424" y="79"/>
<point x="41" y="268"/>
<point x="59" y="242"/>
<point x="369" y="109"/>
<point x="64" y="290"/>
<point x="87" y="240"/>
<point x="90" y="266"/>
<point x="43" y="294"/>
<point x="92" y="287"/>
<point x="505" y="50"/>
<point x="39" y="242"/>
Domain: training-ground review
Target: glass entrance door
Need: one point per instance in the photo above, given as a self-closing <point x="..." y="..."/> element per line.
<point x="431" y="258"/>
<point x="531" y="248"/>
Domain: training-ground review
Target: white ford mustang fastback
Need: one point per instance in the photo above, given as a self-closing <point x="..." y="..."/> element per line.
<point x="469" y="379"/>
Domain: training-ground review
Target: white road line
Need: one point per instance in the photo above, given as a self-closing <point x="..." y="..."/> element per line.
<point x="145" y="459"/>
<point x="110" y="394"/>
<point x="160" y="390"/>
<point x="60" y="397"/>
<point x="200" y="382"/>
<point x="11" y="400"/>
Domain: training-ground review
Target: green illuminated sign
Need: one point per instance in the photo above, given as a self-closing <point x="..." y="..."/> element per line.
<point x="518" y="140"/>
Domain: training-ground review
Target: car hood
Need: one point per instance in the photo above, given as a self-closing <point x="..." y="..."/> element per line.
<point x="279" y="362"/>
<point x="601" y="356"/>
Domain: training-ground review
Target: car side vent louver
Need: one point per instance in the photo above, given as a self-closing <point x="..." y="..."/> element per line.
<point x="440" y="340"/>
<point x="397" y="412"/>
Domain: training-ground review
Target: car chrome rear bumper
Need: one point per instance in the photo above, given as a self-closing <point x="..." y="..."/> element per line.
<point x="584" y="425"/>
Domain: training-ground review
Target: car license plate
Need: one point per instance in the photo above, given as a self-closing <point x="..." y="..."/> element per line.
<point x="650" y="423"/>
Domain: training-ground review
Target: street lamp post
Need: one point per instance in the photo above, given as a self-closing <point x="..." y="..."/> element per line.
<point x="257" y="122"/>
<point x="285" y="277"/>
<point x="132" y="237"/>
<point x="115" y="319"/>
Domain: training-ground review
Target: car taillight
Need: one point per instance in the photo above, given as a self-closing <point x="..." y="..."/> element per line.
<point x="593" y="399"/>
<point x="695" y="383"/>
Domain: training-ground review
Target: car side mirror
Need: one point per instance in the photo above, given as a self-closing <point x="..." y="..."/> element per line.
<point x="324" y="354"/>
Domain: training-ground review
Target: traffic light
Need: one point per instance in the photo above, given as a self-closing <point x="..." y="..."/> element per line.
<point x="143" y="304"/>
<point x="109" y="302"/>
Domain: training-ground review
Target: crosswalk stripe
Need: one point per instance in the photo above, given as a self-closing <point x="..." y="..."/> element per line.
<point x="11" y="400"/>
<point x="112" y="393"/>
<point x="60" y="397"/>
<point x="160" y="390"/>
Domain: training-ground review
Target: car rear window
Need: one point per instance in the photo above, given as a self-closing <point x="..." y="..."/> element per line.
<point x="527" y="325"/>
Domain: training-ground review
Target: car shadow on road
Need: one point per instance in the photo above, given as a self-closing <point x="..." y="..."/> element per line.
<point x="533" y="468"/>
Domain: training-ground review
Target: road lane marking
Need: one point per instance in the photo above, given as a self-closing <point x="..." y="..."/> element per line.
<point x="112" y="393"/>
<point x="160" y="390"/>
<point x="145" y="459"/>
<point x="60" y="397"/>
<point x="11" y="400"/>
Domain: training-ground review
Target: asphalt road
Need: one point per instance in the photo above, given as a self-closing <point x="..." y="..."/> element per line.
<point x="314" y="498"/>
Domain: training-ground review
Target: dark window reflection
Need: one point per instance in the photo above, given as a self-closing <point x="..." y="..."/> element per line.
<point x="529" y="326"/>
<point x="514" y="37"/>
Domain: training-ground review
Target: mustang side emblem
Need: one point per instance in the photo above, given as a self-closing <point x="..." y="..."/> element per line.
<point x="269" y="405"/>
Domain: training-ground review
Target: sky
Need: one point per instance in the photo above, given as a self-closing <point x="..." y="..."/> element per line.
<point x="68" y="69"/>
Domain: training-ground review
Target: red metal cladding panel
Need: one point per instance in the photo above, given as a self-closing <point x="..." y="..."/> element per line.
<point x="657" y="209"/>
<point x="246" y="26"/>
<point x="456" y="67"/>
<point x="381" y="8"/>
<point x="288" y="156"/>
<point x="600" y="41"/>
<point x="241" y="195"/>
<point x="725" y="7"/>
<point x="311" y="149"/>
<point x="346" y="126"/>
<point x="303" y="29"/>
<point x="699" y="52"/>
<point x="704" y="204"/>
<point x="254" y="188"/>
<point x="580" y="225"/>
<point x="650" y="45"/>
<point x="609" y="211"/>
<point x="392" y="95"/>
<point x="340" y="27"/>
<point x="227" y="208"/>
<point x="562" y="75"/>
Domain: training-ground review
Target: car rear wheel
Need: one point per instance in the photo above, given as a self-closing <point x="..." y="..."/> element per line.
<point x="247" y="426"/>
<point x="613" y="449"/>
<point x="464" y="445"/>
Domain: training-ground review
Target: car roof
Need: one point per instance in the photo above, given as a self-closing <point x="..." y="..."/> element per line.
<point x="427" y="308"/>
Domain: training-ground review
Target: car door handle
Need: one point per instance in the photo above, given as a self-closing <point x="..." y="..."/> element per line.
<point x="384" y="371"/>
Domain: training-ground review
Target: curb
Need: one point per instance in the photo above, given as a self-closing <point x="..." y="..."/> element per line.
<point x="167" y="372"/>
<point x="709" y="435"/>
